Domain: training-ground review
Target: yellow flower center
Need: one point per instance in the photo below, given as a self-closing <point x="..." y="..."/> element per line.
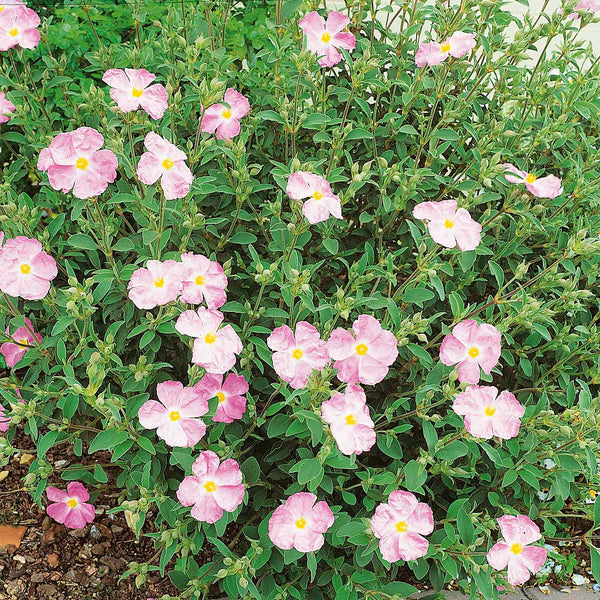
<point x="490" y="411"/>
<point x="25" y="268"/>
<point x="136" y="93"/>
<point x="318" y="195"/>
<point x="530" y="178"/>
<point x="325" y="37"/>
<point x="221" y="397"/>
<point x="361" y="349"/>
<point x="301" y="523"/>
<point x="516" y="548"/>
<point x="1" y="8"/>
<point x="199" y="280"/>
<point x="14" y="32"/>
<point x="23" y="342"/>
<point x="297" y="354"/>
<point x="226" y="114"/>
<point x="350" y="420"/>
<point x="473" y="352"/>
<point x="210" y="338"/>
<point x="71" y="502"/>
<point x="401" y="526"/>
<point x="168" y="163"/>
<point x="174" y="415"/>
<point x="82" y="163"/>
<point x="593" y="493"/>
<point x="159" y="282"/>
<point x="445" y="47"/>
<point x="448" y="224"/>
<point x="210" y="486"/>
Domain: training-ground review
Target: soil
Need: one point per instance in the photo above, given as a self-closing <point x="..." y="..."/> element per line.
<point x="63" y="564"/>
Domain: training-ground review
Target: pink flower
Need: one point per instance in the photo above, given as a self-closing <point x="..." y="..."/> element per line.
<point x="515" y="551"/>
<point x="300" y="523"/>
<point x="175" y="415"/>
<point x="487" y="414"/>
<point x="349" y="419"/>
<point x="155" y="284"/>
<point x="213" y="488"/>
<point x="324" y="39"/>
<point x="18" y="26"/>
<point x="544" y="187"/>
<point x="321" y="203"/>
<point x="6" y="107"/>
<point x="10" y="5"/>
<point x="400" y="526"/>
<point x="74" y="161"/>
<point x="363" y="354"/>
<point x="24" y="340"/>
<point x="4" y="420"/>
<point x="225" y="120"/>
<point x="448" y="226"/>
<point x="471" y="346"/>
<point x="589" y="5"/>
<point x="214" y="348"/>
<point x="295" y="358"/>
<point x="232" y="402"/>
<point x="457" y="45"/>
<point x="130" y="89"/>
<point x="166" y="162"/>
<point x="25" y="269"/>
<point x="202" y="279"/>
<point x="70" y="507"/>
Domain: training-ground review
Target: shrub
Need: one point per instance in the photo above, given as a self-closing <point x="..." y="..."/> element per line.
<point x="386" y="135"/>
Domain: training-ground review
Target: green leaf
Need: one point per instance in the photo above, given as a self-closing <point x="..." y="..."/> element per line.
<point x="81" y="240"/>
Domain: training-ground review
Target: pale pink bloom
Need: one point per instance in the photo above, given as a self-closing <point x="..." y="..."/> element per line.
<point x="71" y="507"/>
<point x="25" y="269"/>
<point x="166" y="162"/>
<point x="363" y="354"/>
<point x="7" y="5"/>
<point x="74" y="161"/>
<point x="214" y="349"/>
<point x="13" y="352"/>
<point x="155" y="284"/>
<point x="321" y="202"/>
<point x="18" y="26"/>
<point x="349" y="420"/>
<point x="232" y="402"/>
<point x="225" y="118"/>
<point x="295" y="357"/>
<point x="471" y="346"/>
<point x="324" y="39"/>
<point x="542" y="187"/>
<point x="400" y="525"/>
<point x="130" y="89"/>
<point x="300" y="523"/>
<point x="202" y="279"/>
<point x="515" y="551"/>
<point x="4" y="420"/>
<point x="592" y="6"/>
<point x="213" y="488"/>
<point x="449" y="226"/>
<point x="175" y="415"/>
<point x="6" y="107"/>
<point x="457" y="45"/>
<point x="487" y="414"/>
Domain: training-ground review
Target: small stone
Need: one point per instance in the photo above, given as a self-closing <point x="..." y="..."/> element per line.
<point x="61" y="463"/>
<point x="95" y="533"/>
<point x="37" y="578"/>
<point x="52" y="560"/>
<point x="98" y="549"/>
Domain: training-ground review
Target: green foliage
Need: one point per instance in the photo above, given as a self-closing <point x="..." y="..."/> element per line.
<point x="387" y="136"/>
